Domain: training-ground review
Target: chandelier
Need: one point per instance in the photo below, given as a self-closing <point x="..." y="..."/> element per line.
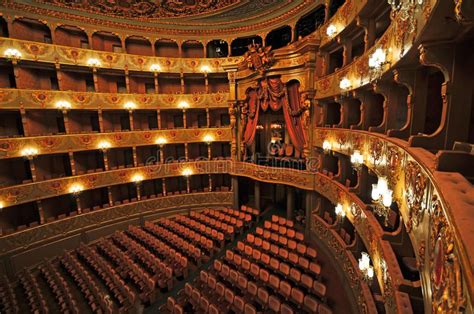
<point x="382" y="198"/>
<point x="366" y="269"/>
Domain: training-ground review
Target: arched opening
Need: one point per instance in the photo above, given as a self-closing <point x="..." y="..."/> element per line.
<point x="376" y="111"/>
<point x="138" y="46"/>
<point x="3" y="28"/>
<point x="279" y="37"/>
<point x="217" y="48"/>
<point x="333" y="114"/>
<point x="166" y="48"/>
<point x="336" y="60"/>
<point x="434" y="101"/>
<point x="240" y="45"/>
<point x="71" y="36"/>
<point x="354" y="112"/>
<point x="310" y="22"/>
<point x="192" y="49"/>
<point x="105" y="41"/>
<point x="334" y="6"/>
<point x="402" y="107"/>
<point x="29" y="29"/>
<point x="382" y="22"/>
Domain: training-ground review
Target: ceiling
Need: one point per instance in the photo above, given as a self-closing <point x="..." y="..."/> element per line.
<point x="178" y="15"/>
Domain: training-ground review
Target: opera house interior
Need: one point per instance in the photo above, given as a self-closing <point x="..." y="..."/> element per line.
<point x="237" y="156"/>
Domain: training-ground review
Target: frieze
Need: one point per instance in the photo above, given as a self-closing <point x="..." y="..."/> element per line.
<point x="46" y="99"/>
<point x="62" y="55"/>
<point x="12" y="147"/>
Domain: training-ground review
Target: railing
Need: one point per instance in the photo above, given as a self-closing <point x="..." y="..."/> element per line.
<point x="46" y="99"/>
<point x="53" y="144"/>
<point x="435" y="207"/>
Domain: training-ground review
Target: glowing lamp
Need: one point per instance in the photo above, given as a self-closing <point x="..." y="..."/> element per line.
<point x="205" y="69"/>
<point x="12" y="53"/>
<point x="340" y="210"/>
<point x="29" y="152"/>
<point x="327" y="146"/>
<point x="76" y="189"/>
<point x="208" y="139"/>
<point x="345" y="84"/>
<point x="93" y="62"/>
<point x="155" y="67"/>
<point x="365" y="268"/>
<point x="104" y="145"/>
<point x="161" y="141"/>
<point x="187" y="172"/>
<point x="331" y="30"/>
<point x="183" y="104"/>
<point x="130" y="105"/>
<point x="377" y="59"/>
<point x="137" y="178"/>
<point x="63" y="105"/>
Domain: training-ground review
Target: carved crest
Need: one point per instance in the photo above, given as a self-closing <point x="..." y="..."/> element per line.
<point x="259" y="58"/>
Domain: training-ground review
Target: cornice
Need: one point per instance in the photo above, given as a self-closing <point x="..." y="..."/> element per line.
<point x="55" y="144"/>
<point x="46" y="99"/>
<point x="63" y="55"/>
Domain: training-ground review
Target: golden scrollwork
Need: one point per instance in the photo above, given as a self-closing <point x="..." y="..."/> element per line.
<point x="416" y="191"/>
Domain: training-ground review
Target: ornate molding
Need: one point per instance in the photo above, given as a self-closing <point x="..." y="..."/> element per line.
<point x="46" y="99"/>
<point x="45" y="233"/>
<point x="53" y="144"/>
<point x="428" y="211"/>
<point x="348" y="264"/>
<point x="63" y="55"/>
<point x="396" y="41"/>
<point x="30" y="192"/>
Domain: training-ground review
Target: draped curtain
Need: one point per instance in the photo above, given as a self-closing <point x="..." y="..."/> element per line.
<point x="271" y="94"/>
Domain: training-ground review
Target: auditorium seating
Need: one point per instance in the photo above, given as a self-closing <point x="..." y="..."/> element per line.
<point x="130" y="267"/>
<point x="262" y="273"/>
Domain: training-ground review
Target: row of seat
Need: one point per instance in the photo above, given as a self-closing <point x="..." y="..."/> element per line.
<point x="192" y="252"/>
<point x="205" y="242"/>
<point x="283" y="230"/>
<point x="249" y="210"/>
<point x="60" y="289"/>
<point x="86" y="284"/>
<point x="34" y="297"/>
<point x="224" y="224"/>
<point x="119" y="290"/>
<point x="161" y="273"/>
<point x="128" y="270"/>
<point x="178" y="262"/>
<point x="8" y="302"/>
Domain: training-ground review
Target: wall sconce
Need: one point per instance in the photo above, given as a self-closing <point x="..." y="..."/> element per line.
<point x="155" y="68"/>
<point x="345" y="84"/>
<point x="382" y="198"/>
<point x="137" y="178"/>
<point x="187" y="172"/>
<point x="205" y="69"/>
<point x="183" y="105"/>
<point x="76" y="189"/>
<point x="104" y="145"/>
<point x="365" y="267"/>
<point x="161" y="141"/>
<point x="327" y="146"/>
<point x="1" y="206"/>
<point x="63" y="105"/>
<point x="340" y="212"/>
<point x="93" y="62"/>
<point x="331" y="30"/>
<point x="208" y="139"/>
<point x="29" y="152"/>
<point x="130" y="105"/>
<point x="357" y="160"/>
<point x="377" y="59"/>
<point x="12" y="53"/>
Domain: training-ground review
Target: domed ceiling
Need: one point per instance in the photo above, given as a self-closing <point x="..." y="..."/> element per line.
<point x="179" y="16"/>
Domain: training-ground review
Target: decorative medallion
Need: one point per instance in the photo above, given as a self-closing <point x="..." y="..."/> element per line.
<point x="259" y="58"/>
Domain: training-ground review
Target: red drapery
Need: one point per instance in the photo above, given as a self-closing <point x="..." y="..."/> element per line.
<point x="271" y="94"/>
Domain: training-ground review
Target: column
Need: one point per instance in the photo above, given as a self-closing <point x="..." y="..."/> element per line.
<point x="257" y="194"/>
<point x="290" y="202"/>
<point x="235" y="191"/>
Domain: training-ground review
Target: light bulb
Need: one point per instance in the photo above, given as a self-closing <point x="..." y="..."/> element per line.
<point x="63" y="104"/>
<point x="345" y="84"/>
<point x="375" y="192"/>
<point x="155" y="67"/>
<point x="12" y="53"/>
<point x="130" y="105"/>
<point x="331" y="30"/>
<point x="205" y="69"/>
<point x="93" y="62"/>
<point x="104" y="145"/>
<point x="327" y="145"/>
<point x="183" y="104"/>
<point x="387" y="198"/>
<point x="137" y="178"/>
<point x="340" y="210"/>
<point x="208" y="138"/>
<point x="161" y="141"/>
<point x="187" y="172"/>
